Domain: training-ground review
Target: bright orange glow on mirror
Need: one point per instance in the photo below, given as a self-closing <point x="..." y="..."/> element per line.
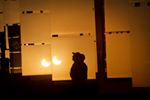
<point x="56" y="61"/>
<point x="45" y="63"/>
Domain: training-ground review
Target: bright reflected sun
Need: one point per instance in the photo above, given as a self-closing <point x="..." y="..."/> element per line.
<point x="56" y="61"/>
<point x="45" y="63"/>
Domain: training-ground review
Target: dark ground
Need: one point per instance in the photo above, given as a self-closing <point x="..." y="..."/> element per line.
<point x="17" y="86"/>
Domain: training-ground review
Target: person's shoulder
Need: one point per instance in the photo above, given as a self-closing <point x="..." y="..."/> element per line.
<point x="84" y="64"/>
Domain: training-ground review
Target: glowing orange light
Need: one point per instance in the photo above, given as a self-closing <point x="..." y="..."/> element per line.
<point x="56" y="61"/>
<point x="45" y="63"/>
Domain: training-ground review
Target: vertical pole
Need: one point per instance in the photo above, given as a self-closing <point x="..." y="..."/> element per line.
<point x="3" y="45"/>
<point x="100" y="39"/>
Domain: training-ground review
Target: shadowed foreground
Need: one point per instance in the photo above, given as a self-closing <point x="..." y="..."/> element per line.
<point x="15" y="86"/>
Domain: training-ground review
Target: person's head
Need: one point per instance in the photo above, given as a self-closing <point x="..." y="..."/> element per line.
<point x="78" y="57"/>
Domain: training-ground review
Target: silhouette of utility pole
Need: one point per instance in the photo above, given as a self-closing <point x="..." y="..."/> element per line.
<point x="100" y="39"/>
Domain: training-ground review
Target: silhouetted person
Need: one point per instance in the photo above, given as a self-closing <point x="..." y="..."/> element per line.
<point x="78" y="72"/>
